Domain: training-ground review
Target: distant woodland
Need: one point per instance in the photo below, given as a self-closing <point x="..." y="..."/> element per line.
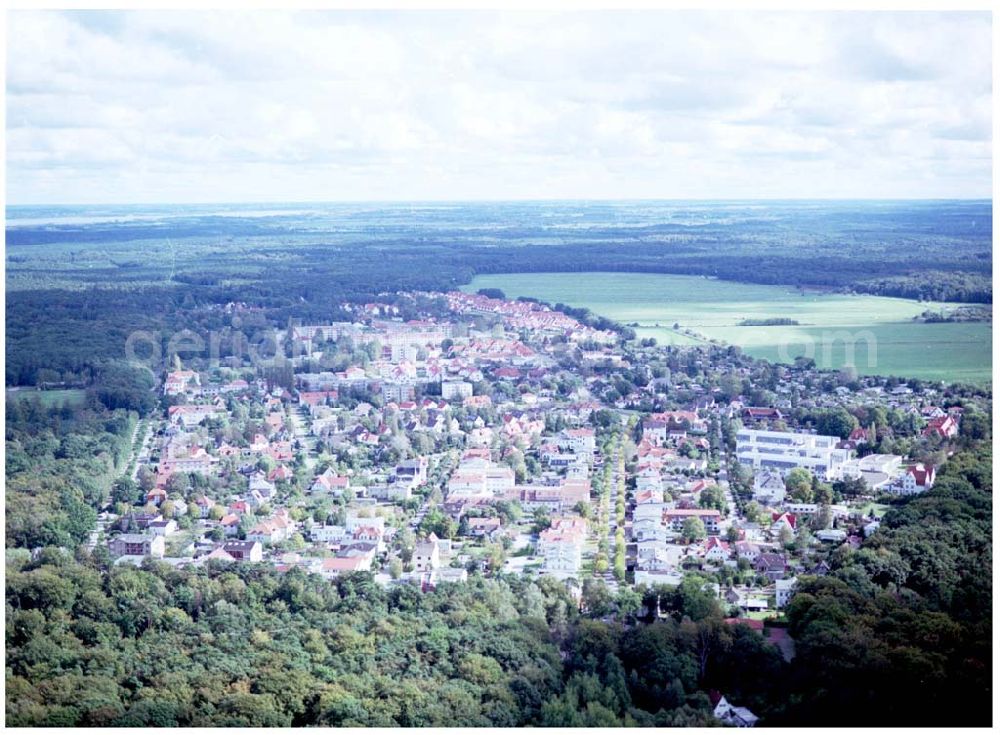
<point x="76" y="293"/>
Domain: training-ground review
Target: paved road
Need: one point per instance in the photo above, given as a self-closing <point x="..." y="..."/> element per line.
<point x="611" y="501"/>
<point x="143" y="456"/>
<point x="105" y="518"/>
<point x="300" y="430"/>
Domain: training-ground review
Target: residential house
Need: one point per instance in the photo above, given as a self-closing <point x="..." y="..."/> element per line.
<point x="768" y="487"/>
<point x="455" y="390"/>
<point x="247" y="550"/>
<point x="917" y="479"/>
<point x="328" y="534"/>
<point x="137" y="544"/>
<point x="578" y="441"/>
<point x="729" y="715"/>
<point x="180" y="381"/>
<point x="715" y="550"/>
<point x="483" y="527"/>
<point x="944" y="427"/>
<point x="427" y="554"/>
<point x="230" y="524"/>
<point x="783" y="591"/>
<point x="782" y="520"/>
<point x="329" y="482"/>
<point x="748" y="551"/>
<point x="772" y="565"/>
<point x="273" y="530"/>
<point x="163" y="527"/>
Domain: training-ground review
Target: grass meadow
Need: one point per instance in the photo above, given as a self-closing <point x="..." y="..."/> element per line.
<point x="49" y="398"/>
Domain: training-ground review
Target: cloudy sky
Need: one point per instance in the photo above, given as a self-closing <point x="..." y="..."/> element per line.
<point x="190" y="107"/>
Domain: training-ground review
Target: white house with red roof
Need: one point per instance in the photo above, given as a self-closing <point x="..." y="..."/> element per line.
<point x="180" y="381"/>
<point x="916" y="479"/>
<point x="716" y="550"/>
<point x="273" y="530"/>
<point x="561" y="545"/>
<point x="581" y="441"/>
<point x="859" y="436"/>
<point x="783" y="520"/>
<point x="259" y="444"/>
<point x="330" y="482"/>
<point x="281" y="472"/>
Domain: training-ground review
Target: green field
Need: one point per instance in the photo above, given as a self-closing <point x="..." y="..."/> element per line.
<point x="875" y="334"/>
<point x="49" y="398"/>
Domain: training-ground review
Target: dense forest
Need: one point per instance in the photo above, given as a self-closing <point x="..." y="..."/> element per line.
<point x="61" y="460"/>
<point x="902" y="628"/>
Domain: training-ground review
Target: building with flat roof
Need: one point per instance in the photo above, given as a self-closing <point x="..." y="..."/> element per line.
<point x="786" y="450"/>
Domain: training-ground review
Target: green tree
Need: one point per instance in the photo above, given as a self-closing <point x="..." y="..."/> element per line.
<point x="395" y="567"/>
<point x="693" y="530"/>
<point x="836" y="422"/>
<point x="798" y="485"/>
<point x="712" y="497"/>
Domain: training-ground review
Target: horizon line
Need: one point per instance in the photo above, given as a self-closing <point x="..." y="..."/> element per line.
<point x="625" y="200"/>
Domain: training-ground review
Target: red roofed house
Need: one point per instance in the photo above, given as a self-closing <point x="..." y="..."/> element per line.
<point x="329" y="482"/>
<point x="858" y="436"/>
<point x="280" y="451"/>
<point x="317" y="398"/>
<point x="281" y="472"/>
<point x="477" y="402"/>
<point x="178" y="381"/>
<point x="944" y="426"/>
<point x="156" y="496"/>
<point x="779" y="520"/>
<point x="917" y="479"/>
<point x="230" y="524"/>
<point x="762" y="414"/>
<point x="716" y="550"/>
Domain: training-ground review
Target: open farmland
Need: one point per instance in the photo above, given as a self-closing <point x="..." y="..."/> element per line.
<point x="880" y="331"/>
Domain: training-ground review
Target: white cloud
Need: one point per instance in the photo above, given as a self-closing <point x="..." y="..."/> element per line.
<point x="268" y="106"/>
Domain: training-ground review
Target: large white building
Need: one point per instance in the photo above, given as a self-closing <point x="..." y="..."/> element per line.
<point x="877" y="470"/>
<point x="785" y="450"/>
<point x="452" y="389"/>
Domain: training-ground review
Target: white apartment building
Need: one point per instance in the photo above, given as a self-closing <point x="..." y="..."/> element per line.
<point x="786" y="450"/>
<point x="561" y="546"/>
<point x="577" y="440"/>
<point x="328" y="534"/>
<point x="452" y="389"/>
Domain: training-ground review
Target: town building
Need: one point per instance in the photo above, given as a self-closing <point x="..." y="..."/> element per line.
<point x="785" y="450"/>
